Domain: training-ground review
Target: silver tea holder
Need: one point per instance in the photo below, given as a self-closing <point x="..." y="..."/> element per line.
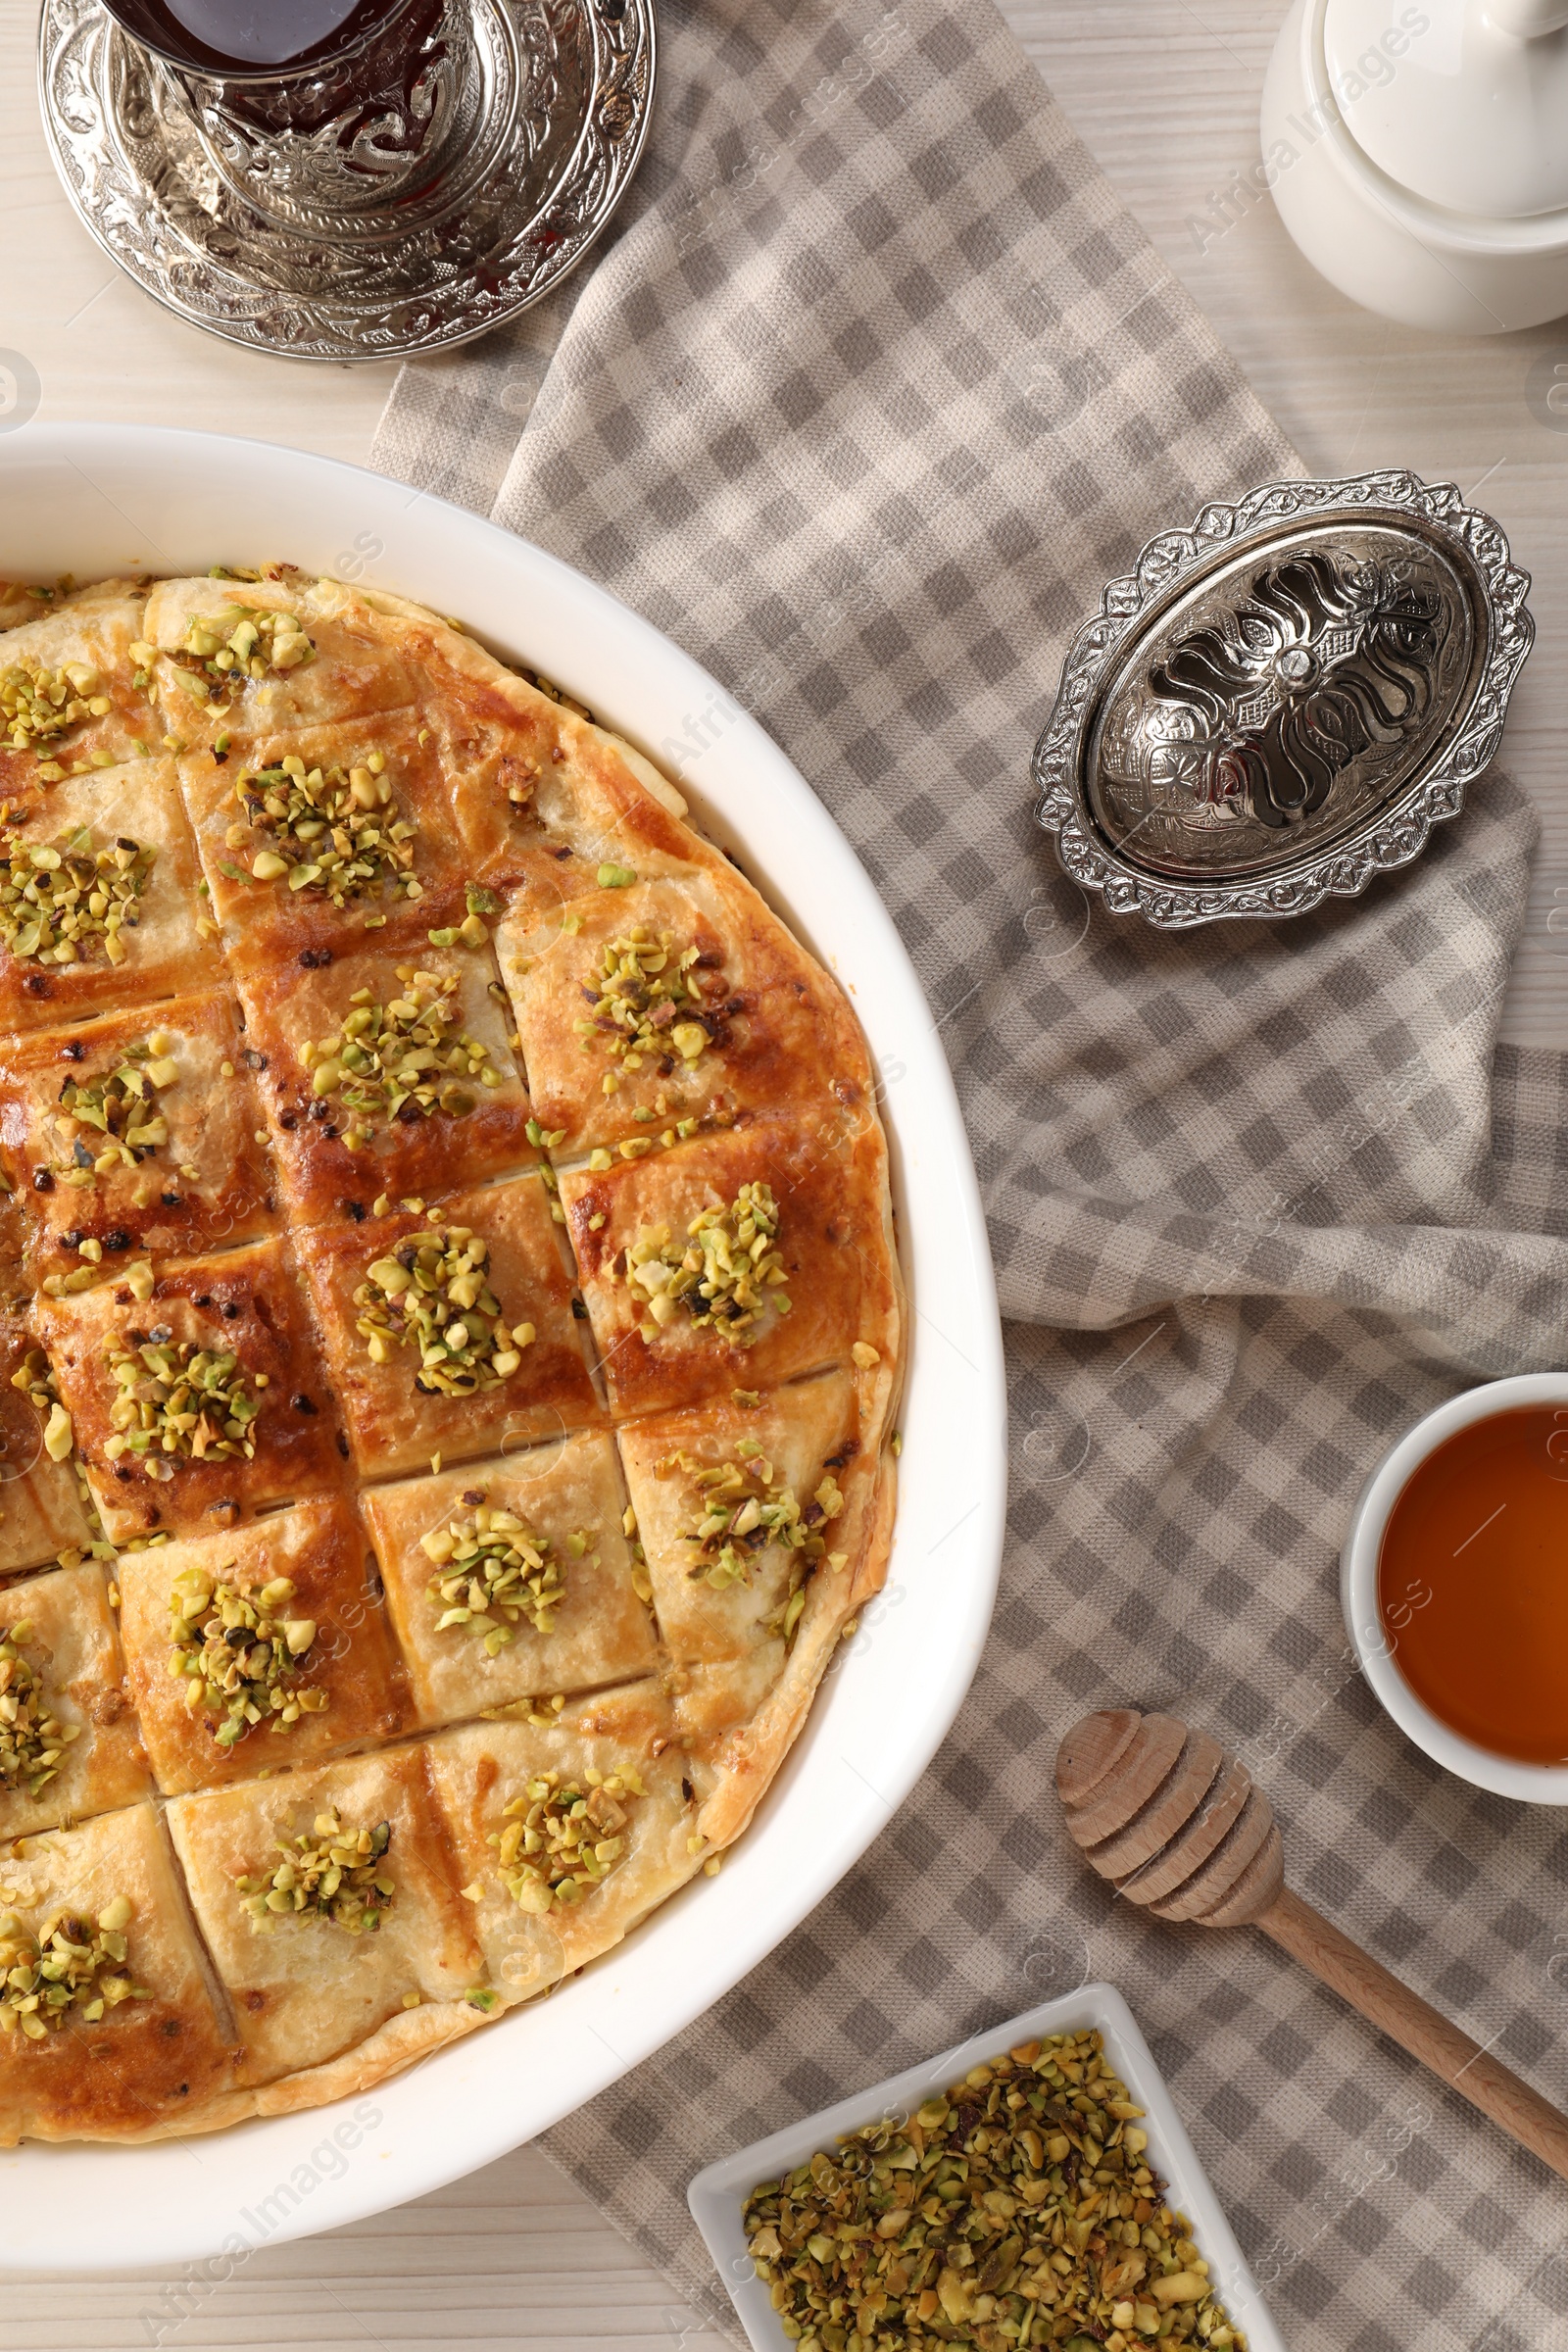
<point x="428" y="188"/>
<point x="1281" y="700"/>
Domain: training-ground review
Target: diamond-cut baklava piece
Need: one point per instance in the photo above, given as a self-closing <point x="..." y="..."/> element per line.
<point x="328" y="839"/>
<point x="259" y="1649"/>
<point x="451" y="1332"/>
<point x="542" y="797"/>
<point x="195" y="1389"/>
<point x="740" y="1512"/>
<point x="43" y="1515"/>
<point x="100" y="903"/>
<point x="755" y="1521"/>
<point x="566" y="1833"/>
<point x="69" y="1741"/>
<point x="70" y="703"/>
<point x="385" y="1073"/>
<point x="671" y="1005"/>
<point x="735" y="1260"/>
<point x="136" y="1131"/>
<point x="108" y="2029"/>
<point x="249" y="658"/>
<point x="512" y="1578"/>
<point x="329" y="1902"/>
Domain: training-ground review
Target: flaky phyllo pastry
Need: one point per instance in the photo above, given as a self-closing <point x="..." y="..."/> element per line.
<point x="449" y="1335"/>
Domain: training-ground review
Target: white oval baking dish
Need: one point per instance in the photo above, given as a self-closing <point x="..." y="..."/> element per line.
<point x="93" y="500"/>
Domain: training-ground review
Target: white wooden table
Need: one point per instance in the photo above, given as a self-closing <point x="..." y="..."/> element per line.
<point x="1166" y="95"/>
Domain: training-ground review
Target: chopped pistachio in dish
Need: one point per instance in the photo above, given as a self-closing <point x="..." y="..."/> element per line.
<point x="724" y="1274"/>
<point x="67" y="901"/>
<point x="73" y="1968"/>
<point x="404" y="1061"/>
<point x="327" y="1872"/>
<point x="1017" y="2209"/>
<point x="239" y="1654"/>
<point x="433" y="1293"/>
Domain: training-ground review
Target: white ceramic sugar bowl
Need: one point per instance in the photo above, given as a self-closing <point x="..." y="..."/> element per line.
<point x="1418" y="153"/>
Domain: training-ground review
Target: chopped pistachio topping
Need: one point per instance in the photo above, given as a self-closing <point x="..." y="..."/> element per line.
<point x="238" y="1653"/>
<point x="646" y="999"/>
<point x="405" y="1061"/>
<point x="491" y="1570"/>
<point x="333" y="830"/>
<point x="220" y="649"/>
<point x="33" y="1738"/>
<point x="741" y="1508"/>
<point x="560" y="1839"/>
<point x="1017" y="2210"/>
<point x="113" y="1121"/>
<point x="71" y="1964"/>
<point x="433" y="1293"/>
<point x="38" y="706"/>
<point x="470" y="932"/>
<point x="178" y="1398"/>
<point x="333" y="1873"/>
<point x="724" y="1274"/>
<point x="35" y="1377"/>
<point x="65" y="901"/>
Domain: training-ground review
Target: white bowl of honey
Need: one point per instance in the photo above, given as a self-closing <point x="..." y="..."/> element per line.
<point x="1455" y="1583"/>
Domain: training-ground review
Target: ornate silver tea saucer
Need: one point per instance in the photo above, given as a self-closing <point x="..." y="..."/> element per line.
<point x="1282" y="700"/>
<point x="368" y="233"/>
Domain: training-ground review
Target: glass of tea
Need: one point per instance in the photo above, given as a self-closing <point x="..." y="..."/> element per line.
<point x="315" y="110"/>
<point x="265" y="40"/>
<point x="346" y="180"/>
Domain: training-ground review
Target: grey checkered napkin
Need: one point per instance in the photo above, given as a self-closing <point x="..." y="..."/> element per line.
<point x="874" y="386"/>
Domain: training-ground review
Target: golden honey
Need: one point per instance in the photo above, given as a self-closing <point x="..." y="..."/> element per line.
<point x="1473" y="1582"/>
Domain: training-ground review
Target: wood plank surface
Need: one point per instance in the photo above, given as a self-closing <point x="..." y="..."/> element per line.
<point x="1166" y="95"/>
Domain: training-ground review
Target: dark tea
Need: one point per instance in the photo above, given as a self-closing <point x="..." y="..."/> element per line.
<point x="255" y="37"/>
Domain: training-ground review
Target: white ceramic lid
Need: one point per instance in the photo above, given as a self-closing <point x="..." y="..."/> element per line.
<point x="1454" y="104"/>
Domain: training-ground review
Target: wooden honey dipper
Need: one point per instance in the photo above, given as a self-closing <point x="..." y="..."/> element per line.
<point x="1176" y="1824"/>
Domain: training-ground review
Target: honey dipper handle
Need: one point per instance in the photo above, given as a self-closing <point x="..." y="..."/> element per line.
<point x="1416" y="2027"/>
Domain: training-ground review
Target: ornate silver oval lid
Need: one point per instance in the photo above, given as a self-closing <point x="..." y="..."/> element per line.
<point x="1284" y="700"/>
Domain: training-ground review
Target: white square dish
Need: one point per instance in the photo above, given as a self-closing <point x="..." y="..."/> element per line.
<point x="718" y="2196"/>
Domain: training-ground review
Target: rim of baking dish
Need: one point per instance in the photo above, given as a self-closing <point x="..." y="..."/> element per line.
<point x="93" y="500"/>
